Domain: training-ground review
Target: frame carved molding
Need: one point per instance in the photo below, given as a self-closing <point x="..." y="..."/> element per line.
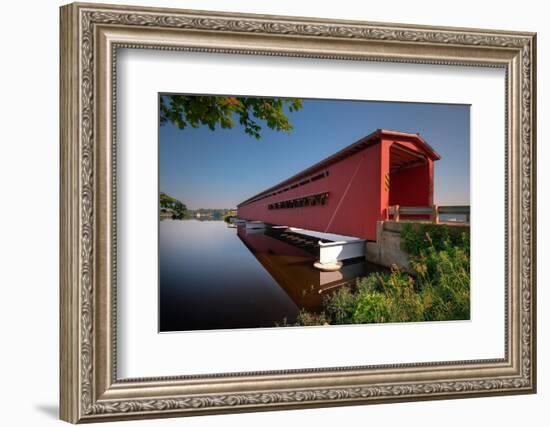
<point x="90" y="34"/>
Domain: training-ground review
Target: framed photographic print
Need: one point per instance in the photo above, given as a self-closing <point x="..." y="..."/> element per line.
<point x="265" y="212"/>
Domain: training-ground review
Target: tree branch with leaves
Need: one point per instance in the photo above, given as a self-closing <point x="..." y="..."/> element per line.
<point x="223" y="111"/>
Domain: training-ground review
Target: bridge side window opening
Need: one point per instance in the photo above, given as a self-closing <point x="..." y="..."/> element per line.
<point x="303" y="182"/>
<point x="318" y="199"/>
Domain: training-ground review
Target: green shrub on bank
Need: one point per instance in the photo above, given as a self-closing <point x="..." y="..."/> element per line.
<point x="340" y="307"/>
<point x="438" y="289"/>
<point x="444" y="278"/>
<point x="305" y="318"/>
<point x="418" y="237"/>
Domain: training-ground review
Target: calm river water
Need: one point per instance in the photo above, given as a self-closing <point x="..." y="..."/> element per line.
<point x="216" y="277"/>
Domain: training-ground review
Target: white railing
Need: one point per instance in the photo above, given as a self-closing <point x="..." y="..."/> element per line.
<point x="397" y="213"/>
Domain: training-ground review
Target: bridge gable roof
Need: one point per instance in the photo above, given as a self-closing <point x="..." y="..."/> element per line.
<point x="363" y="143"/>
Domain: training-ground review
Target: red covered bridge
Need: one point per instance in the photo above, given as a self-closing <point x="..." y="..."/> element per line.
<point x="348" y="192"/>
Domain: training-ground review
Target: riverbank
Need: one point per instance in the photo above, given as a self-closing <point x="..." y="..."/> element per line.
<point x="437" y="290"/>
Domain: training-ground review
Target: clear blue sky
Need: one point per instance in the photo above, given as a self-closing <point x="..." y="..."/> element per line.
<point x="219" y="169"/>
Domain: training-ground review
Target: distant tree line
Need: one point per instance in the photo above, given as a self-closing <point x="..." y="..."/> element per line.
<point x="211" y="214"/>
<point x="171" y="207"/>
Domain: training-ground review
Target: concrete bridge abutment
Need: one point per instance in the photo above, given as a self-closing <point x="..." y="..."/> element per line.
<point x="387" y="249"/>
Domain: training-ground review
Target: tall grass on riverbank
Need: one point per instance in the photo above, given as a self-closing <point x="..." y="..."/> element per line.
<point x="438" y="287"/>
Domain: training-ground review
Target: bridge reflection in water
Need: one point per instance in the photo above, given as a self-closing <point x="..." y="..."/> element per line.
<point x="288" y="257"/>
<point x="214" y="277"/>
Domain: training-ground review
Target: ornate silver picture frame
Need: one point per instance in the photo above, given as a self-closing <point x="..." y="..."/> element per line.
<point x="91" y="34"/>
